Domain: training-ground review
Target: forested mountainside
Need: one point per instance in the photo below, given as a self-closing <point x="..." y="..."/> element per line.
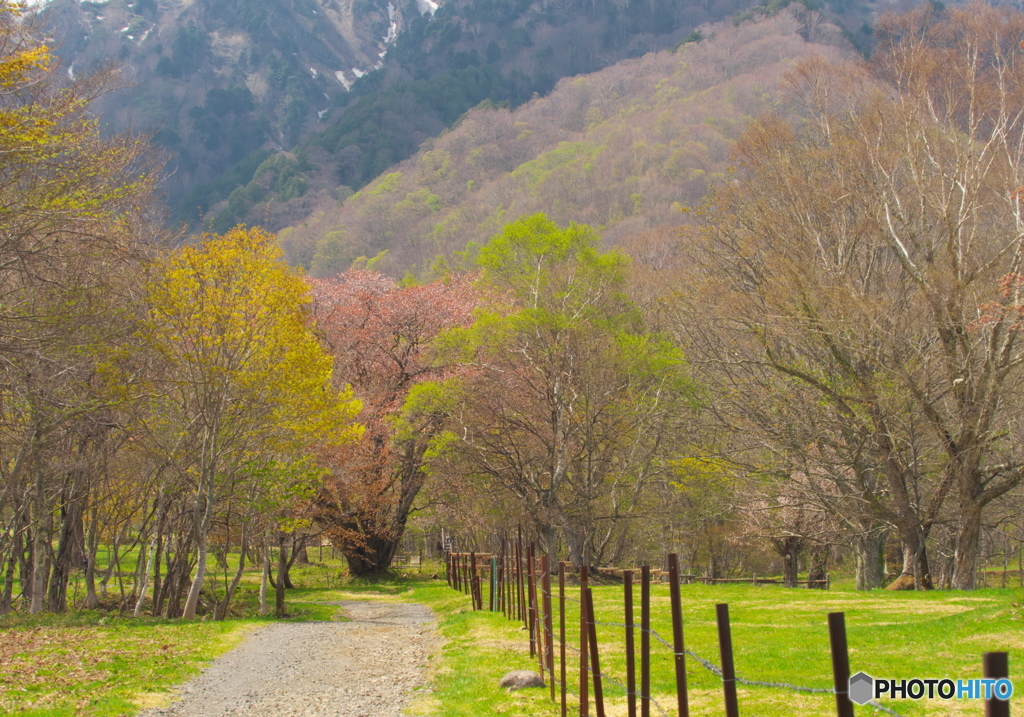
<point x="216" y="82"/>
<point x="625" y="149"/>
<point x="286" y="91"/>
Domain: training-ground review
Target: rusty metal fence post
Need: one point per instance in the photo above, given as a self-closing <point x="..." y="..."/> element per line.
<point x="474" y="582"/>
<point x="627" y="598"/>
<point x="840" y="663"/>
<point x="677" y="635"/>
<point x="549" y="636"/>
<point x="561" y="631"/>
<point x="584" y="640"/>
<point x="532" y="608"/>
<point x="520" y="594"/>
<point x="645" y="641"/>
<point x="595" y="663"/>
<point x="996" y="665"/>
<point x="732" y="708"/>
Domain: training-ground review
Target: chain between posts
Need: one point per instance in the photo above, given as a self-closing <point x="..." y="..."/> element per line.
<point x="542" y="613"/>
<point x="716" y="670"/>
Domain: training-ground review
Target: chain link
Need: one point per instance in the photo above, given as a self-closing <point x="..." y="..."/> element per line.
<point x="706" y="664"/>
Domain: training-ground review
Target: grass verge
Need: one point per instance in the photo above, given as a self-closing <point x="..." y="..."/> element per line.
<point x="99" y="663"/>
<point x="779" y="635"/>
<point x="90" y="663"/>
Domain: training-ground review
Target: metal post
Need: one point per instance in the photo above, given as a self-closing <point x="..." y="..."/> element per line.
<point x="732" y="708"/>
<point x="627" y="596"/>
<point x="584" y="641"/>
<point x="840" y="663"/>
<point x="677" y="635"/>
<point x="561" y="630"/>
<point x="474" y="583"/>
<point x="645" y="641"/>
<point x="549" y="638"/>
<point x="494" y="584"/>
<point x="521" y="595"/>
<point x="997" y="665"/>
<point x="588" y="598"/>
<point x="533" y="605"/>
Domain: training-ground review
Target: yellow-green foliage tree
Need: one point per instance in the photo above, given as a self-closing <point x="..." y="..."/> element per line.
<point x="244" y="375"/>
<point x="567" y="401"/>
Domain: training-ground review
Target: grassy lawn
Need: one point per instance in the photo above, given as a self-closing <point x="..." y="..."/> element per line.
<point x="96" y="665"/>
<point x="91" y="663"/>
<point x="779" y="635"/>
<point x="99" y="663"/>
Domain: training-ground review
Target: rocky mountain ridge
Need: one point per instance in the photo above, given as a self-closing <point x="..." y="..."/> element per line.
<point x="266" y="106"/>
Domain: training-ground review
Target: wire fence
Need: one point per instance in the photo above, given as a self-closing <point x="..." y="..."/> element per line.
<point x="520" y="586"/>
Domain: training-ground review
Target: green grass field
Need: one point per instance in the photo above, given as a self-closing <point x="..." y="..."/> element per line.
<point x="92" y="663"/>
<point x="779" y="635"/>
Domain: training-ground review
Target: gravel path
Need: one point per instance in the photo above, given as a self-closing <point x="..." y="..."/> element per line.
<point x="368" y="667"/>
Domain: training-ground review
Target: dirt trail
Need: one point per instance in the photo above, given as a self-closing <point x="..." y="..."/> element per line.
<point x="367" y="667"/>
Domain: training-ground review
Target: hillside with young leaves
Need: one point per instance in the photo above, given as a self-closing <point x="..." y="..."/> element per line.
<point x="265" y="108"/>
<point x="626" y="150"/>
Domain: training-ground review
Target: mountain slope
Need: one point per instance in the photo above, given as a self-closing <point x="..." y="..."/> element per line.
<point x="227" y="86"/>
<point x="445" y="63"/>
<point x="624" y="149"/>
<point x="217" y="81"/>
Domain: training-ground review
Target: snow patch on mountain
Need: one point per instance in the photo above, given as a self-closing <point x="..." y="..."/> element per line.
<point x="425" y="6"/>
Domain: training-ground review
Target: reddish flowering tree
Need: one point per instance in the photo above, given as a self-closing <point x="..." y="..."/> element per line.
<point x="380" y="335"/>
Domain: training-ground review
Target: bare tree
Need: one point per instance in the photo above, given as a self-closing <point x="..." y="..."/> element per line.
<point x="854" y="256"/>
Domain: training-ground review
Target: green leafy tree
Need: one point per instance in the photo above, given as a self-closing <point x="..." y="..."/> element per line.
<point x="568" y="401"/>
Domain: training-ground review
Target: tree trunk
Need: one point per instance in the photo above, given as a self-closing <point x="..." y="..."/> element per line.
<point x="40" y="552"/>
<point x="177" y="578"/>
<point x="789" y="548"/>
<point x="92" y="600"/>
<point x="374" y="556"/>
<point x="282" y="568"/>
<point x="575" y="552"/>
<point x="152" y="554"/>
<point x="968" y="545"/>
<point x="916" y="572"/>
<point x="870" y="562"/>
<point x="26" y="559"/>
<point x="70" y="545"/>
<point x="192" y="601"/>
<point x="818" y="569"/>
<point x="298" y="549"/>
<point x="713" y="571"/>
<point x="157" y="560"/>
<point x="7" y="599"/>
<point x="790" y="567"/>
<point x="113" y="551"/>
<point x="547" y="536"/>
<point x="915" y="555"/>
<point x="266" y="575"/>
<point x="202" y="516"/>
<point x="222" y="609"/>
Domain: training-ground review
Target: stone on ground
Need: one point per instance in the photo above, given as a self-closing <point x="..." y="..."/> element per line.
<point x="518" y="679"/>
